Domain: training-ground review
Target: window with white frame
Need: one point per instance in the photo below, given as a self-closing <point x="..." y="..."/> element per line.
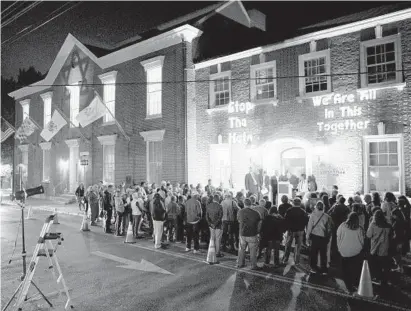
<point x="314" y="72"/>
<point x="74" y="104"/>
<point x="381" y="61"/>
<point x="383" y="163"/>
<point x="154" y="71"/>
<point x="25" y="105"/>
<point x="109" y="81"/>
<point x="220" y="89"/>
<point x="47" y="107"/>
<point x="263" y="83"/>
<point x="109" y="147"/>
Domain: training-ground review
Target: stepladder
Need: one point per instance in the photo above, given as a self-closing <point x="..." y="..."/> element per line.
<point x="43" y="249"/>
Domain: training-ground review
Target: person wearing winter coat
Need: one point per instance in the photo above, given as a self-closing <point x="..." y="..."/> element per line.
<point x="388" y="206"/>
<point x="214" y="217"/>
<point x="159" y="216"/>
<point x="379" y="232"/>
<point x="193" y="215"/>
<point x="318" y="235"/>
<point x="173" y="212"/>
<point x="108" y="205"/>
<point x="272" y="230"/>
<point x="93" y="199"/>
<point x="399" y="225"/>
<point x="136" y="211"/>
<point x="339" y="213"/>
<point x="120" y="213"/>
<point x="405" y="207"/>
<point x="350" y="242"/>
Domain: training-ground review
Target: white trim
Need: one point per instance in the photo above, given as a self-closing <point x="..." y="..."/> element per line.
<point x="45" y="146"/>
<point x="219" y="75"/>
<point x="155" y="135"/>
<point x="46" y="95"/>
<point x="309" y="56"/>
<point x="378" y="31"/>
<point x="154" y="62"/>
<point x="396" y="39"/>
<point x="24" y="148"/>
<point x="253" y="86"/>
<point x="25" y="103"/>
<point x="387" y="137"/>
<point x="108" y="76"/>
<point x="72" y="142"/>
<point x="107" y="139"/>
<point x="398" y="86"/>
<point x="327" y="33"/>
<point x="162" y="41"/>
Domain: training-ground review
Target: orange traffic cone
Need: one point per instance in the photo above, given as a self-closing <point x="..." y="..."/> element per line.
<point x="56" y="220"/>
<point x="365" y="287"/>
<point x="211" y="255"/>
<point x="84" y="224"/>
<point x="130" y="236"/>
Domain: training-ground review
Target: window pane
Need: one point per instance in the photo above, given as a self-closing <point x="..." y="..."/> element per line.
<point x="392" y="146"/>
<point x="383" y="159"/>
<point x="383" y="147"/>
<point x="384" y="179"/>
<point x="393" y="160"/>
<point x="373" y="160"/>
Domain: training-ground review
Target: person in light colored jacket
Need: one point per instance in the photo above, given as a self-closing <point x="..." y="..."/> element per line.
<point x="350" y="242"/>
<point x="318" y="235"/>
<point x="379" y="232"/>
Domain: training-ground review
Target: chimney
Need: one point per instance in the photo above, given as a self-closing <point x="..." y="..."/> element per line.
<point x="257" y="19"/>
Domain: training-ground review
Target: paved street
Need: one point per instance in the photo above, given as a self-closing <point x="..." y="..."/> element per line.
<point x="104" y="273"/>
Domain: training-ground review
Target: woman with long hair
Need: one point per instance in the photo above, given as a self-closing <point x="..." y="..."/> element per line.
<point x="379" y="232"/>
<point x="326" y="202"/>
<point x="350" y="242"/>
<point x="159" y="216"/>
<point x="376" y="199"/>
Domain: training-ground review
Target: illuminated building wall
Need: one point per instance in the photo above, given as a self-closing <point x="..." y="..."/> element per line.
<point x="332" y="134"/>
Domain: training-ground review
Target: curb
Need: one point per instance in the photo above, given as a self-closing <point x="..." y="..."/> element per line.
<point x="46" y="208"/>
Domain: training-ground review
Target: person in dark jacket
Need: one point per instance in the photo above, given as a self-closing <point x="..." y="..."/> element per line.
<point x="333" y="199"/>
<point x="272" y="231"/>
<point x="180" y="220"/>
<point x="405" y="206"/>
<point x="284" y="206"/>
<point x="214" y="217"/>
<point x="274" y="187"/>
<point x="339" y="214"/>
<point x="159" y="216"/>
<point x="108" y="205"/>
<point x="173" y="212"/>
<point x="399" y="226"/>
<point x="295" y="220"/>
<point x="80" y="196"/>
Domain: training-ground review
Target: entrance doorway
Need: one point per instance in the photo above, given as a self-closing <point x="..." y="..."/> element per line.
<point x="293" y="160"/>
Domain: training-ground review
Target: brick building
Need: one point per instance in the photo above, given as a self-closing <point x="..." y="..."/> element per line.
<point x="141" y="81"/>
<point x="333" y="102"/>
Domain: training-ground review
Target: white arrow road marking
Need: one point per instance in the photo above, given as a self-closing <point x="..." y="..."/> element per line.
<point x="144" y="265"/>
<point x="296" y="290"/>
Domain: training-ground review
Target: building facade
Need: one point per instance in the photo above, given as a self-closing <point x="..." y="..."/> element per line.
<point x="334" y="103"/>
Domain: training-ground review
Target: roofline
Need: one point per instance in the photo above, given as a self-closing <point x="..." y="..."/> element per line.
<point x="327" y="33"/>
<point x="174" y="36"/>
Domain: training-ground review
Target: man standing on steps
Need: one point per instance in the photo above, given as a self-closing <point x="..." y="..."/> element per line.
<point x="193" y="216"/>
<point x="251" y="182"/>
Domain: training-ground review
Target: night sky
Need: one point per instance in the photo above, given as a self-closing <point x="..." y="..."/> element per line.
<point x="106" y="23"/>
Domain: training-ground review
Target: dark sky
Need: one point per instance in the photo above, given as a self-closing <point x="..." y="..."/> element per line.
<point x="106" y="23"/>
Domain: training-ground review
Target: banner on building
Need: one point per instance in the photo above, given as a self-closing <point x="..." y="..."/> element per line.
<point x="26" y="129"/>
<point x="6" y="130"/>
<point x="54" y="126"/>
<point x="93" y="112"/>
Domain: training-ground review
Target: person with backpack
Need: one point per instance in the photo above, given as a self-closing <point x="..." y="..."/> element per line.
<point x="159" y="216"/>
<point x="318" y="235"/>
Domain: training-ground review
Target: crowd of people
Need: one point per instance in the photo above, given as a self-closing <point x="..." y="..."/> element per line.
<point x="341" y="232"/>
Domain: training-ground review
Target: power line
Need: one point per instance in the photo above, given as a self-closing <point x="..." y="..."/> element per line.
<point x="231" y="79"/>
<point x="17" y="37"/>
<point x="22" y="12"/>
<point x="5" y="13"/>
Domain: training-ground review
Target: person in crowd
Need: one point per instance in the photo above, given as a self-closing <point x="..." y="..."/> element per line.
<point x="333" y="199"/>
<point x="177" y="189"/>
<point x="108" y="203"/>
<point x="318" y="235"/>
<point x="368" y="203"/>
<point x="251" y="182"/>
<point x="379" y="232"/>
<point x="350" y="241"/>
<point x="272" y="231"/>
<point x="266" y="184"/>
<point x="80" y="196"/>
<point x="268" y="203"/>
<point x="101" y="189"/>
<point x="159" y="216"/>
<point x="120" y="215"/>
<point x="168" y="198"/>
<point x="240" y="200"/>
<point x="326" y="202"/>
<point x="260" y="208"/>
<point x="180" y="219"/>
<point x="399" y="225"/>
<point x="311" y="202"/>
<point x="303" y="184"/>
<point x="250" y="227"/>
<point x="357" y="208"/>
<point x="274" y="187"/>
<point x="214" y="217"/>
<point x="339" y="214"/>
<point x="136" y="211"/>
<point x="295" y="219"/>
<point x="229" y="210"/>
<point x="204" y="231"/>
<point x="193" y="216"/>
<point x="405" y="207"/>
<point x="312" y="184"/>
<point x="209" y="188"/>
<point x="376" y="199"/>
<point x="253" y="199"/>
<point x="284" y="206"/>
<point x="350" y="202"/>
<point x="173" y="213"/>
<point x="388" y="206"/>
<point x="93" y="199"/>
